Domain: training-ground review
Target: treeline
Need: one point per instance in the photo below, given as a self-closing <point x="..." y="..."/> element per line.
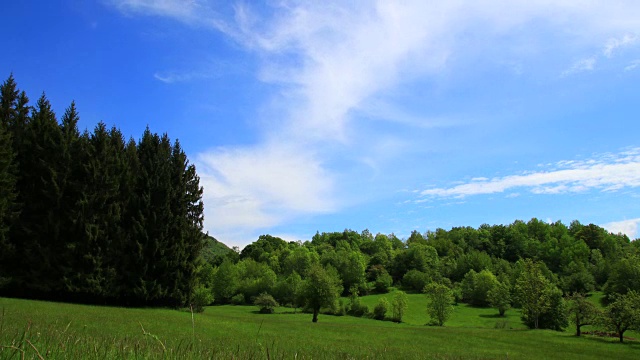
<point x="485" y="266"/>
<point x="93" y="217"/>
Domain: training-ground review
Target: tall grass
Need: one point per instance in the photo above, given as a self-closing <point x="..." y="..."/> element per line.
<point x="44" y="330"/>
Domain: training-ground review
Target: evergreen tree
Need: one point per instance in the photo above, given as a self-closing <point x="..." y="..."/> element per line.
<point x="38" y="232"/>
<point x="7" y="202"/>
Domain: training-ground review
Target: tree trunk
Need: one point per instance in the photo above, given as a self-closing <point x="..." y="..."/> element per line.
<point x="621" y="337"/>
<point x="578" y="330"/>
<point x="315" y="315"/>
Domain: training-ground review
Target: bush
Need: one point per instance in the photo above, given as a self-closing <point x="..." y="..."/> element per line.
<point x="202" y="297"/>
<point x="380" y="311"/>
<point x="266" y="303"/>
<point x="357" y="308"/>
<point x="238" y="299"/>
<point x="415" y="280"/>
<point x="342" y="308"/>
<point x="382" y="283"/>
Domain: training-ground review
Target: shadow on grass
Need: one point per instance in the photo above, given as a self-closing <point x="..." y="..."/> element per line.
<point x="492" y="316"/>
<point x="611" y="340"/>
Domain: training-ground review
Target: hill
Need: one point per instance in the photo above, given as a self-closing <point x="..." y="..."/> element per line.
<point x="214" y="251"/>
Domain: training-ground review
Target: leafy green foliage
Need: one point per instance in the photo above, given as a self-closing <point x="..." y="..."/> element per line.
<point x="623" y="313"/>
<point x="499" y="297"/>
<point x="202" y="297"/>
<point x="266" y="303"/>
<point x="476" y="287"/>
<point x="381" y="308"/>
<point x="581" y="312"/>
<point x="225" y="282"/>
<point x="440" y="305"/>
<point x="321" y="288"/>
<point x="398" y="306"/>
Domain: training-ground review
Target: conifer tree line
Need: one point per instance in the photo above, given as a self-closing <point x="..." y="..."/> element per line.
<point x="93" y="217"/>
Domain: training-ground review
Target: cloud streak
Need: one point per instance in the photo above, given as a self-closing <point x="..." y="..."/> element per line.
<point x="605" y="173"/>
<point x="627" y="227"/>
<point x="332" y="65"/>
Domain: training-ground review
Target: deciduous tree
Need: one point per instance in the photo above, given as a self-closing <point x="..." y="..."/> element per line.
<point x="581" y="311"/>
<point x="440" y="305"/>
<point x="322" y="287"/>
<point x="399" y="305"/>
<point x="623" y="313"/>
<point x="533" y="291"/>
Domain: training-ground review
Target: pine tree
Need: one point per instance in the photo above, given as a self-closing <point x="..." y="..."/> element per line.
<point x="12" y="106"/>
<point x="7" y="203"/>
<point x="38" y="233"/>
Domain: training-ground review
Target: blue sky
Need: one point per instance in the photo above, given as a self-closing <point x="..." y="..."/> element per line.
<point x="305" y="116"/>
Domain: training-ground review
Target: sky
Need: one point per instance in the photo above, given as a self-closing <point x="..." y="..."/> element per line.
<point x="392" y="116"/>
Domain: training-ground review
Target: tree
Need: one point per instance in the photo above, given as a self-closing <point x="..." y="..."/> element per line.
<point x="577" y="279"/>
<point x="581" y="311"/>
<point x="624" y="277"/>
<point x="202" y="297"/>
<point x="440" y="305"/>
<point x="225" y="282"/>
<point x="37" y="235"/>
<point x="287" y="290"/>
<point x="623" y="313"/>
<point x="266" y="303"/>
<point x="7" y="200"/>
<point x="476" y="286"/>
<point x="555" y="318"/>
<point x="398" y="305"/>
<point x="500" y="297"/>
<point x="321" y="288"/>
<point x="416" y="280"/>
<point x="533" y="291"/>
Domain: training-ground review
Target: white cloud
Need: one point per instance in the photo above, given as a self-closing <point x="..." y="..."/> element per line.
<point x="604" y="173"/>
<point x="329" y="59"/>
<point x="633" y="65"/>
<point x="258" y="187"/>
<point x="627" y="227"/>
<point x="185" y="10"/>
<point x="580" y="66"/>
<point x="614" y="44"/>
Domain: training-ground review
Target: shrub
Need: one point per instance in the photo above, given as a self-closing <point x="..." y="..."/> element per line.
<point x="266" y="303"/>
<point x="202" y="297"/>
<point x="398" y="305"/>
<point x="415" y="280"/>
<point x="383" y="282"/>
<point x="357" y="308"/>
<point x="380" y="311"/>
<point x="238" y="299"/>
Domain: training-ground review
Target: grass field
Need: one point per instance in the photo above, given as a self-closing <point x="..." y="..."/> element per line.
<point x="36" y="329"/>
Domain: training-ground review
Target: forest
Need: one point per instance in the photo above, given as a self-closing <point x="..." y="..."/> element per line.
<point x="95" y="218"/>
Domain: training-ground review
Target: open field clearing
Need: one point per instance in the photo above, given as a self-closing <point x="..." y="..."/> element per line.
<point x="59" y="331"/>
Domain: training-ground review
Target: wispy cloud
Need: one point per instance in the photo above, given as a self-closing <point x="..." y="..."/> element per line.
<point x="580" y="66"/>
<point x="603" y="173"/>
<point x="332" y="61"/>
<point x="627" y="227"/>
<point x="632" y="65"/>
<point x="185" y="10"/>
<point x="614" y="44"/>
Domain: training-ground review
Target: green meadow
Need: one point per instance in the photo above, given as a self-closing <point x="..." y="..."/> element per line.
<point x="46" y="330"/>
